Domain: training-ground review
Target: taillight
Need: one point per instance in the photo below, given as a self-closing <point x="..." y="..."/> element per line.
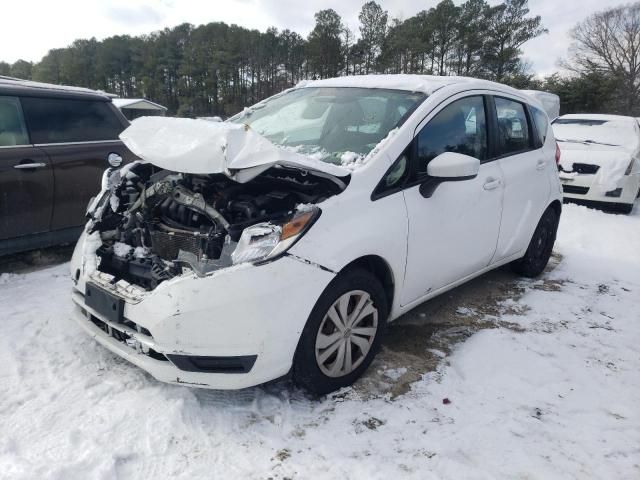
<point x="557" y="154"/>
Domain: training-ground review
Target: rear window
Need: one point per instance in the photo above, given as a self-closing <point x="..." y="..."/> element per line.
<point x="12" y="127"/>
<point x="53" y="120"/>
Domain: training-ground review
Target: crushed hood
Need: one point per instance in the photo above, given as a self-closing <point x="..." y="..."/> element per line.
<point x="612" y="160"/>
<point x="203" y="147"/>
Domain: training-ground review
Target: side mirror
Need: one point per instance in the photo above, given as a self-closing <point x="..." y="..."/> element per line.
<point x="449" y="167"/>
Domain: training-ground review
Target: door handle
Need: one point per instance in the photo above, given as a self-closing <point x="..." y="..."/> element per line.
<point x="491" y="183"/>
<point x="541" y="164"/>
<point x="30" y="166"/>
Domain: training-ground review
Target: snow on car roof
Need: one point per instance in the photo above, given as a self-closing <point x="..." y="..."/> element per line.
<point x="597" y="116"/>
<point x="413" y="83"/>
<point x="139" y="103"/>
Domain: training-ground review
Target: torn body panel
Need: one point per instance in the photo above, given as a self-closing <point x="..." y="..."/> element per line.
<point x="202" y="147"/>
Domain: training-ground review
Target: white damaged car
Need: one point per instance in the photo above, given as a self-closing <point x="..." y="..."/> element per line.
<point x="283" y="240"/>
<point x="600" y="159"/>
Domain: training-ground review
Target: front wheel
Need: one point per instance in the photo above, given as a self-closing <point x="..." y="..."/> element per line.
<point x="539" y="251"/>
<point x="343" y="333"/>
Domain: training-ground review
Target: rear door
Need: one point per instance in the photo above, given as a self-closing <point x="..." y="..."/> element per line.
<point x="26" y="177"/>
<point x="524" y="166"/>
<point x="77" y="135"/>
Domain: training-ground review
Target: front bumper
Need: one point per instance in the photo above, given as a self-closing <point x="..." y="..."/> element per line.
<point x="581" y="188"/>
<point x="242" y="324"/>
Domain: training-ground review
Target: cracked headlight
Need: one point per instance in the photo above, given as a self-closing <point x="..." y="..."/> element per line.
<point x="266" y="241"/>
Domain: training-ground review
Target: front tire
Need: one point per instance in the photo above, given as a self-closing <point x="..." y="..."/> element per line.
<point x="343" y="333"/>
<point x="539" y="251"/>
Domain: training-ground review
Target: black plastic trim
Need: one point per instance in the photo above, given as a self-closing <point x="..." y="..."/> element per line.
<point x="193" y="363"/>
<point x="575" y="189"/>
<point x="104" y="302"/>
<point x="429" y="186"/>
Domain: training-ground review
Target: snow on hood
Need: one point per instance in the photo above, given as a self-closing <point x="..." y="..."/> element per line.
<point x="198" y="146"/>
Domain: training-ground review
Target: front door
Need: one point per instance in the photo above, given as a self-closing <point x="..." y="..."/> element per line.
<point x="453" y="233"/>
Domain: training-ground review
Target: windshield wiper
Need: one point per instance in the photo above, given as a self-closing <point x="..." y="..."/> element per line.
<point x="587" y="142"/>
<point x="601" y="143"/>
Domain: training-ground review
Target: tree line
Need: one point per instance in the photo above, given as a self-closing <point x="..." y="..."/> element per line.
<point x="217" y="69"/>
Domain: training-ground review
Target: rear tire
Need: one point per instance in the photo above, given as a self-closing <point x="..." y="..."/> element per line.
<point x="343" y="333"/>
<point x="539" y="251"/>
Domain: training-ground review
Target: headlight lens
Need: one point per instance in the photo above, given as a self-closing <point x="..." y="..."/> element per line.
<point x="265" y="241"/>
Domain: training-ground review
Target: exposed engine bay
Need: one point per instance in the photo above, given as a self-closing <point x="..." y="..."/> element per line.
<point x="156" y="224"/>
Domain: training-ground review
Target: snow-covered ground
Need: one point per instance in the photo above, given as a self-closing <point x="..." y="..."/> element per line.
<point x="553" y="393"/>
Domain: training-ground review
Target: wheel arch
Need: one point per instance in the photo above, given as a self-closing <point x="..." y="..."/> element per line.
<point x="379" y="268"/>
<point x="557" y="206"/>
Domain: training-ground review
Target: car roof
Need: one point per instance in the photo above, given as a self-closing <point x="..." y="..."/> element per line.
<point x="414" y="83"/>
<point x="29" y="88"/>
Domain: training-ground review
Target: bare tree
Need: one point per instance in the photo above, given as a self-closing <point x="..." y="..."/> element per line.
<point x="608" y="43"/>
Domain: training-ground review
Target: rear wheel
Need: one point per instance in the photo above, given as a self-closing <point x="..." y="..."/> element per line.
<point x="343" y="333"/>
<point x="539" y="251"/>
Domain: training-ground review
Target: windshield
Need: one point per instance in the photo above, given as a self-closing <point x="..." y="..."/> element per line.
<point x="600" y="132"/>
<point x="336" y="125"/>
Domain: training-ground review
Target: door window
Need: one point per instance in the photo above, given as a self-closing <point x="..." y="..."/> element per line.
<point x="513" y="129"/>
<point x="12" y="127"/>
<point x="460" y="127"/>
<point x="54" y="120"/>
<point x="542" y="124"/>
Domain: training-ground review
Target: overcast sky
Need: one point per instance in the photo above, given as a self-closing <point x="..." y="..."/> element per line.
<point x="30" y="27"/>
